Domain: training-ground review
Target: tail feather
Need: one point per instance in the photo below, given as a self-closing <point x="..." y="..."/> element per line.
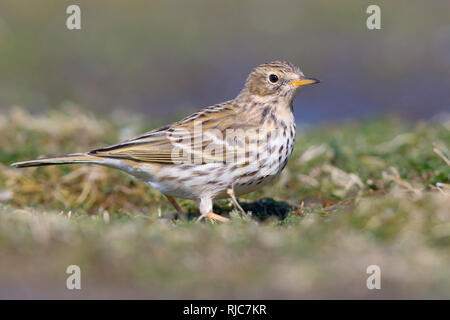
<point x="66" y="159"/>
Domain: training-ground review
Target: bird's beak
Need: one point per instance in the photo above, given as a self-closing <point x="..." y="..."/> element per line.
<point x="304" y="81"/>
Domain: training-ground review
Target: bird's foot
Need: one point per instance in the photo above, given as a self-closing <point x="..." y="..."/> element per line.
<point x="213" y="216"/>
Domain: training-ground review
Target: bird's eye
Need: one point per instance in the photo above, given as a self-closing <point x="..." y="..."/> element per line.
<point x="273" y="78"/>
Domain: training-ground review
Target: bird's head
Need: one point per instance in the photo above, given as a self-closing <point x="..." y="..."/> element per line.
<point x="275" y="80"/>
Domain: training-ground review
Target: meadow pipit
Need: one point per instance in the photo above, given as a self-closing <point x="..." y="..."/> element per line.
<point x="222" y="151"/>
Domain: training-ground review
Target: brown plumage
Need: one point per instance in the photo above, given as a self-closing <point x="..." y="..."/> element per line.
<point x="224" y="150"/>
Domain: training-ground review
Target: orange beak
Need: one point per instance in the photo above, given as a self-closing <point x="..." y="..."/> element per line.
<point x="304" y="82"/>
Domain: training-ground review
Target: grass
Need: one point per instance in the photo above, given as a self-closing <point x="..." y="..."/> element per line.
<point x="353" y="195"/>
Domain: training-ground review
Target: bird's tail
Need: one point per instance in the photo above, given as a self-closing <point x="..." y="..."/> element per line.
<point x="66" y="159"/>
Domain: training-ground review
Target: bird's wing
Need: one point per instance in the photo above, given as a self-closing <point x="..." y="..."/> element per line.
<point x="198" y="138"/>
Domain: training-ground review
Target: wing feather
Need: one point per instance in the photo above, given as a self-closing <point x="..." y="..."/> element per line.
<point x="199" y="137"/>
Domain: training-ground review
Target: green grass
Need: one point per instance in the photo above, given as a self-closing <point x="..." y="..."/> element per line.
<point x="353" y="195"/>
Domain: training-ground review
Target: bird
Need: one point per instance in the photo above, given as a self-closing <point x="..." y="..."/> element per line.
<point x="222" y="151"/>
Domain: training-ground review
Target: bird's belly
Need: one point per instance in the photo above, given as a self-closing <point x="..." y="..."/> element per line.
<point x="178" y="191"/>
<point x="166" y="179"/>
<point x="192" y="181"/>
<point x="241" y="189"/>
<point x="251" y="183"/>
<point x="213" y="180"/>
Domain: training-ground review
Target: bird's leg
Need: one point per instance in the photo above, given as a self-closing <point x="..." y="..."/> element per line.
<point x="201" y="217"/>
<point x="176" y="206"/>
<point x="206" y="211"/>
<point x="230" y="192"/>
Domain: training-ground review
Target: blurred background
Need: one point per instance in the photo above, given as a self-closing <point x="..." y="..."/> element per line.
<point x="165" y="59"/>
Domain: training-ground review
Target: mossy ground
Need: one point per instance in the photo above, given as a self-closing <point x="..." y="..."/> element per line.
<point x="374" y="192"/>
